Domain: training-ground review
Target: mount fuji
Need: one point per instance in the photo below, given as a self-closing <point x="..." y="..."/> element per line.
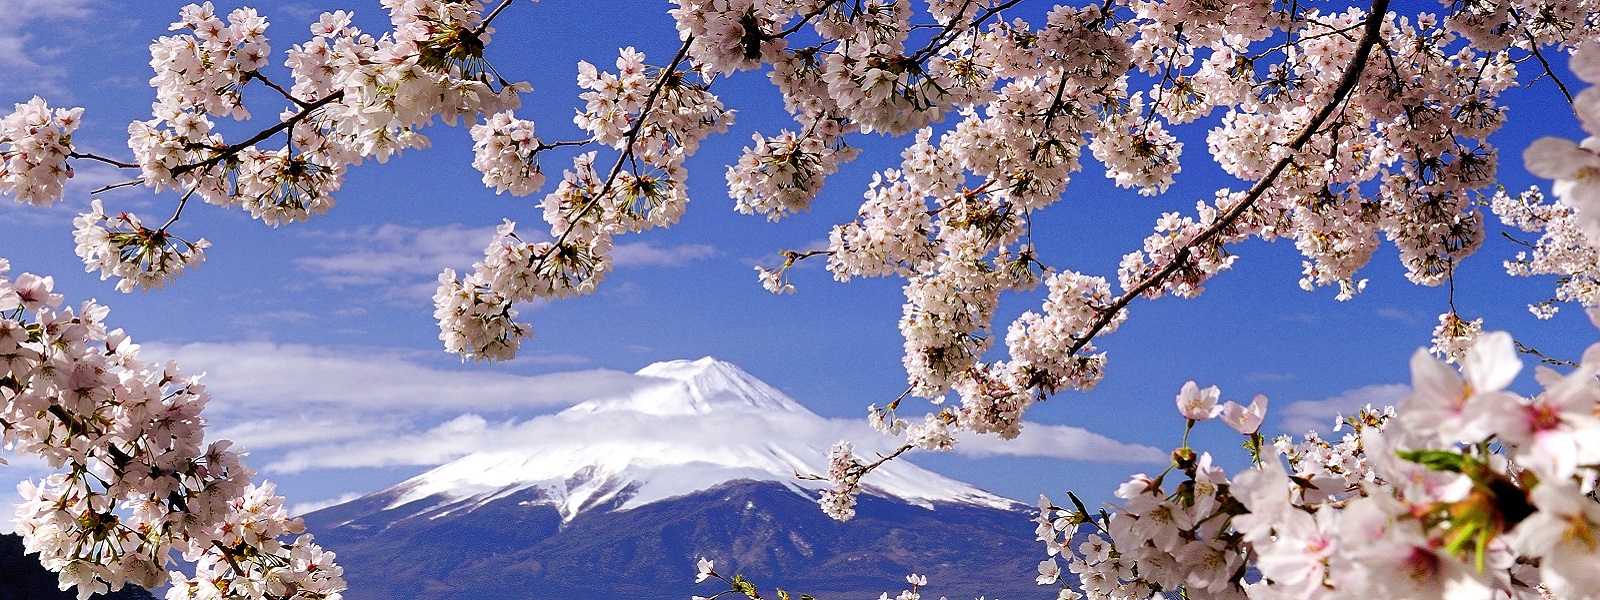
<point x="602" y="514"/>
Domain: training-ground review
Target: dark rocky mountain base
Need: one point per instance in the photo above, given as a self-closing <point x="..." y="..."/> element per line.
<point x="23" y="578"/>
<point x="516" y="547"/>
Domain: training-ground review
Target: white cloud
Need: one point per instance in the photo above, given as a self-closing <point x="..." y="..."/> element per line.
<point x="301" y="508"/>
<point x="248" y="377"/>
<point x="1399" y="316"/>
<point x="646" y="254"/>
<point x="28" y="64"/>
<point x="469" y="433"/>
<point x="1061" y="441"/>
<point x="1299" y="417"/>
<point x="392" y="254"/>
<point x="276" y="433"/>
<point x="406" y="261"/>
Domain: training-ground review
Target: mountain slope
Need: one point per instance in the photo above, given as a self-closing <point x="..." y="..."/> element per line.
<point x="604" y="514"/>
<point x="23" y="578"/>
<point x="578" y="474"/>
<point x="510" y="549"/>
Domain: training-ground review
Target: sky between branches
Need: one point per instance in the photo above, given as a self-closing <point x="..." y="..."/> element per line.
<point x="320" y="335"/>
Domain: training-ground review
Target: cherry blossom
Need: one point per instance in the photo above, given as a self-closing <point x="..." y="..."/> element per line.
<point x="139" y="484"/>
<point x="1346" y="128"/>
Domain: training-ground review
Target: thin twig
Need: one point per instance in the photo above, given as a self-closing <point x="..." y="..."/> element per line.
<point x="1352" y="75"/>
<point x="1525" y="349"/>
<point x="95" y="157"/>
<point x="627" y="147"/>
<point x="181" y="203"/>
<point x="231" y="150"/>
<point x="269" y="83"/>
<point x="107" y="188"/>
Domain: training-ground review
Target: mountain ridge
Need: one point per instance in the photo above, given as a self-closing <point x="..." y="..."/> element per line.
<point x="597" y="513"/>
<point x="579" y="476"/>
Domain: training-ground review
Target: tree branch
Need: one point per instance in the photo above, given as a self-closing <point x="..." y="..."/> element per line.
<point x="484" y="26"/>
<point x="1347" y="83"/>
<point x="95" y="157"/>
<point x="1352" y="75"/>
<point x="627" y="147"/>
<point x="234" y="149"/>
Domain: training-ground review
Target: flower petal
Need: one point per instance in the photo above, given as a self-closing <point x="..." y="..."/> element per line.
<point x="1491" y="364"/>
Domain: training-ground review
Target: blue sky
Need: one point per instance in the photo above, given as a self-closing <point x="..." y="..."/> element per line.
<point x="322" y="331"/>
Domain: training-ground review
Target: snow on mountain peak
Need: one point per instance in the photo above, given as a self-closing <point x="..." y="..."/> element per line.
<point x="693" y="387"/>
<point x="707" y="422"/>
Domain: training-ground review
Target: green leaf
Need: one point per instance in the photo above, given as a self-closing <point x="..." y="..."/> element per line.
<point x="1438" y="460"/>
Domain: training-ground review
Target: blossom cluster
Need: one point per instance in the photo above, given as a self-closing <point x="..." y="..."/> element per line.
<point x="656" y="117"/>
<point x="1334" y="165"/>
<point x="121" y="246"/>
<point x="135" y="480"/>
<point x="504" y="150"/>
<point x="1575" y="167"/>
<point x="1465" y="490"/>
<point x="37" y="141"/>
<point x="354" y="96"/>
<point x="1563" y="249"/>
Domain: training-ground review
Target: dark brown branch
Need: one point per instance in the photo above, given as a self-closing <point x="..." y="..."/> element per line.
<point x="484" y="26"/>
<point x="550" y="145"/>
<point x="229" y="151"/>
<point x="1352" y="75"/>
<point x="256" y="75"/>
<point x="1525" y="349"/>
<point x="627" y="148"/>
<point x="95" y="157"/>
<point x="233" y="149"/>
<point x="943" y="38"/>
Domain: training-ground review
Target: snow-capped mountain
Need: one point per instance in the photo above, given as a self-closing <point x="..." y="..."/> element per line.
<point x="621" y="473"/>
<point x="702" y="464"/>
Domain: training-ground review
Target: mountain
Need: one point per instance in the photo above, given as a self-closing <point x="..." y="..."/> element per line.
<point x="610" y="513"/>
<point x="23" y="578"/>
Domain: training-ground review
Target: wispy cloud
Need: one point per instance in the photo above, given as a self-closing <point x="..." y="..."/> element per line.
<point x="1399" y="316"/>
<point x="470" y="433"/>
<point x="406" y="261"/>
<point x="1299" y="417"/>
<point x="29" y="63"/>
<point x="301" y="508"/>
<point x="387" y="254"/>
<point x="646" y="254"/>
<point x="248" y="376"/>
<point x="1061" y="441"/>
